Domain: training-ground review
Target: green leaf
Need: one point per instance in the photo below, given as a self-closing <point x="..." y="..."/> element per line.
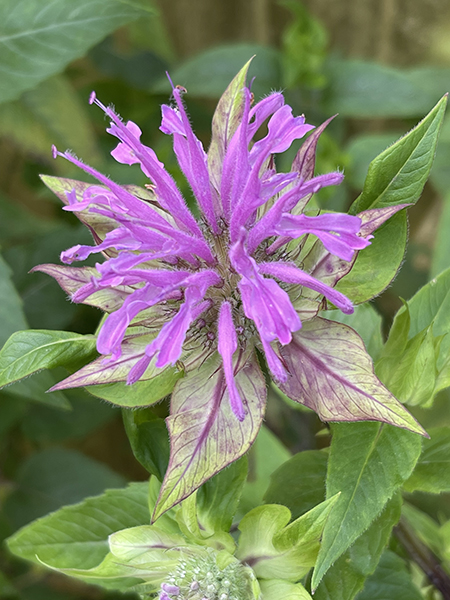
<point x="425" y="527"/>
<point x="209" y="73"/>
<point x="299" y="483"/>
<point x="266" y="455"/>
<point x="398" y="174"/>
<point x="362" y="149"/>
<point x="366" y="89"/>
<point x="441" y="254"/>
<point x="218" y="498"/>
<point x="144" y="544"/>
<point x="378" y="264"/>
<point x="390" y="580"/>
<point x="276" y="550"/>
<point x="367" y="323"/>
<point x="52" y="478"/>
<point x="27" y="352"/>
<point x="432" y="471"/>
<point x="205" y="435"/>
<point x="332" y="373"/>
<point x="275" y="589"/>
<point x="348" y="574"/>
<point x="38" y="40"/>
<point x="77" y="536"/>
<point x="149" y="440"/>
<point x="367" y="468"/>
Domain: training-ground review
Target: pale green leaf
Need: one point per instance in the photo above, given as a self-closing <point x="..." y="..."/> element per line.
<point x="275" y="589"/>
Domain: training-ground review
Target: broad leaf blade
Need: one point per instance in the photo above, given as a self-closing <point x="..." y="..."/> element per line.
<point x="27" y="352"/>
<point x="331" y="372"/>
<point x="205" y="435"/>
<point x="367" y="468"/>
<point x="38" y="39"/>
<point x="398" y="174"/>
<point x="77" y="536"/>
<point x="432" y="471"/>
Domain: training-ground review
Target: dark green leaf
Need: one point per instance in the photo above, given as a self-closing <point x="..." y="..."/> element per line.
<point x="38" y="39"/>
<point x="367" y="468"/>
<point x="432" y="471"/>
<point x="54" y="477"/>
<point x="149" y="440"/>
<point x="299" y="483"/>
<point x="348" y="574"/>
<point x="390" y="580"/>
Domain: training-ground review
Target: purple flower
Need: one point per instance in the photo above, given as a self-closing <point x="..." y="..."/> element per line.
<point x="248" y="274"/>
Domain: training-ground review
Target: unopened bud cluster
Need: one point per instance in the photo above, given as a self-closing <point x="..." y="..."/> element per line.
<point x="201" y="578"/>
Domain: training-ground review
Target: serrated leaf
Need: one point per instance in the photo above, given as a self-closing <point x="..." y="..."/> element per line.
<point x="331" y="372"/>
<point x="366" y="466"/>
<point x="38" y="39"/>
<point x="77" y="536"/>
<point x="205" y="435"/>
<point x="398" y="174"/>
<point x="276" y="550"/>
<point x="432" y="471"/>
<point x="347" y="576"/>
<point x="390" y="580"/>
<point x="27" y="352"/>
<point x="299" y="483"/>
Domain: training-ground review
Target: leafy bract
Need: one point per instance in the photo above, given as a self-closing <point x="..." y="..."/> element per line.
<point x="331" y="372"/>
<point x="432" y="471"/>
<point x="205" y="435"/>
<point x="225" y="121"/>
<point x="38" y="39"/>
<point x="276" y="550"/>
<point x="367" y="467"/>
<point x="347" y="576"/>
<point x="27" y="352"/>
<point x="274" y="589"/>
<point x="77" y="536"/>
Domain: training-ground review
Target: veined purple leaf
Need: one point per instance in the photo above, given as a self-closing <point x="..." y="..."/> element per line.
<point x="331" y="372"/>
<point x="226" y="119"/>
<point x="204" y="432"/>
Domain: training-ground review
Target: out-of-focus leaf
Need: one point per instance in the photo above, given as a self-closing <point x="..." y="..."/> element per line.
<point x="391" y="580"/>
<point x="266" y="455"/>
<point x="299" y="483"/>
<point x="149" y="440"/>
<point x="27" y="352"/>
<point x="205" y="435"/>
<point x="362" y="150"/>
<point x="54" y="477"/>
<point x="426" y="528"/>
<point x="348" y="574"/>
<point x="38" y="39"/>
<point x="366" y="467"/>
<point x="276" y="550"/>
<point x="367" y="90"/>
<point x="331" y="372"/>
<point x="441" y="254"/>
<point x="209" y="73"/>
<point x="432" y="471"/>
<point x="77" y="536"/>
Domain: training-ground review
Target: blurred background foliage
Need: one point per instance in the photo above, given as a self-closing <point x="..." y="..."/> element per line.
<point x="380" y="64"/>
